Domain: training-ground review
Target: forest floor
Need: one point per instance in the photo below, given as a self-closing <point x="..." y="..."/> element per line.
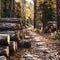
<point x="19" y="55"/>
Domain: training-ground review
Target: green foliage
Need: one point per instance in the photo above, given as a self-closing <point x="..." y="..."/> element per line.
<point x="2" y="14"/>
<point x="3" y="7"/>
<point x="48" y="12"/>
<point x="18" y="4"/>
<point x="5" y="12"/>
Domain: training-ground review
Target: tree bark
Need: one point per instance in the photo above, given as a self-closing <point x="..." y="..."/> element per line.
<point x="58" y="14"/>
<point x="35" y="1"/>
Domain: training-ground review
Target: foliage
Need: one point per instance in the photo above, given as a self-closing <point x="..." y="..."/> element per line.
<point x="3" y="8"/>
<point x="48" y="12"/>
<point x="18" y="13"/>
<point x="2" y="14"/>
<point x="6" y="11"/>
<point x="18" y="4"/>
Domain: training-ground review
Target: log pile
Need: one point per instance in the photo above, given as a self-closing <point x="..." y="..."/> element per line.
<point x="11" y="27"/>
<point x="4" y="44"/>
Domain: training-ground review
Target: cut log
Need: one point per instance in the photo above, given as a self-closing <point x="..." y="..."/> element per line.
<point x="9" y="26"/>
<point x="3" y="58"/>
<point x="10" y="20"/>
<point x="4" y="39"/>
<point x="4" y="50"/>
<point x="14" y="35"/>
<point x="27" y="43"/>
<point x="13" y="46"/>
<point x="8" y="32"/>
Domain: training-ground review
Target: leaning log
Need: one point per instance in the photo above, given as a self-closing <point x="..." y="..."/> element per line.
<point x="4" y="50"/>
<point x="14" y="37"/>
<point x="4" y="39"/>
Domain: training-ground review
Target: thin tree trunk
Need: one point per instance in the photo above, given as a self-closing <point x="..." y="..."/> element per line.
<point x="35" y="1"/>
<point x="0" y="8"/>
<point x="58" y="14"/>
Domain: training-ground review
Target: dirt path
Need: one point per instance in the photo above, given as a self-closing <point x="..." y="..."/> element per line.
<point x="50" y="46"/>
<point x="52" y="41"/>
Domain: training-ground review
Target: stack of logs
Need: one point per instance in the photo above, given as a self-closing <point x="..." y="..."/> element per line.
<point x="8" y="39"/>
<point x="4" y="44"/>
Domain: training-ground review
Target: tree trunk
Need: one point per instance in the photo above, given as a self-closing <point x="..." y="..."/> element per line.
<point x="58" y="14"/>
<point x="0" y="8"/>
<point x="35" y="1"/>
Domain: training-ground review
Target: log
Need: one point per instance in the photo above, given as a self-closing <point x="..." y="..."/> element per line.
<point x="14" y="35"/>
<point x="27" y="37"/>
<point x="13" y="46"/>
<point x="4" y="50"/>
<point x="10" y="20"/>
<point x="9" y="26"/>
<point x="4" y="39"/>
<point x="27" y="43"/>
<point x="3" y="58"/>
<point x="8" y="32"/>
